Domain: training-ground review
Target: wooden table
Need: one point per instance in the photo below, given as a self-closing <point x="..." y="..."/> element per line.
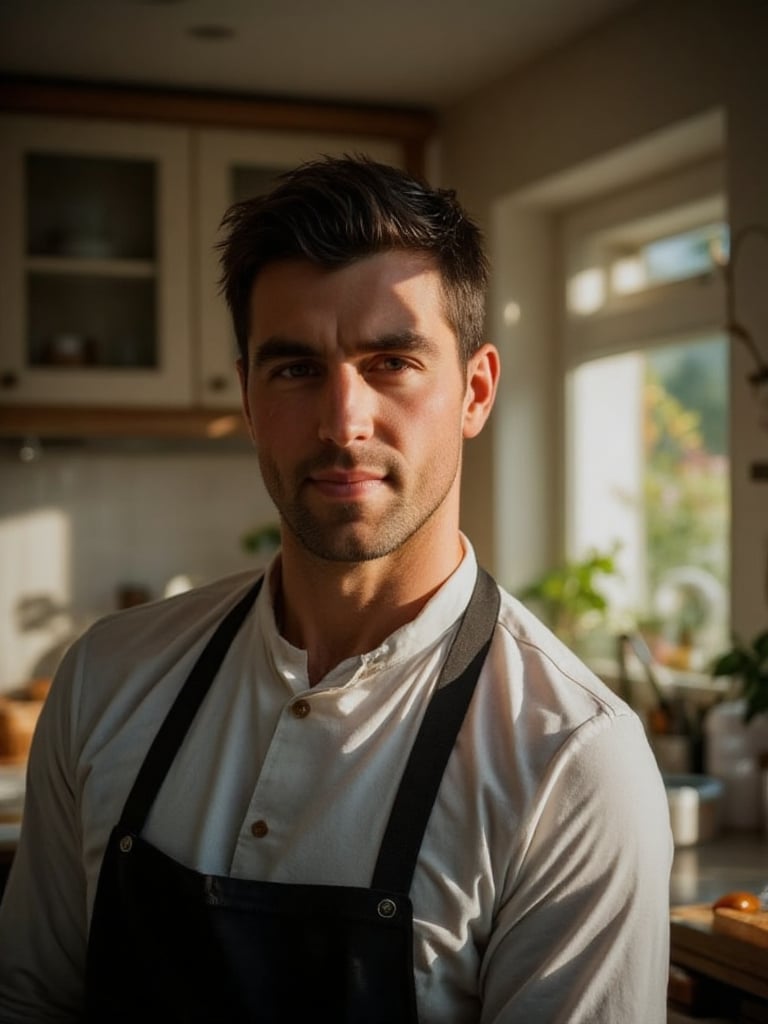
<point x="718" y="967"/>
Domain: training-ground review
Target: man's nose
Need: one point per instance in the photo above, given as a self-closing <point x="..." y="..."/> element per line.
<point x="346" y="414"/>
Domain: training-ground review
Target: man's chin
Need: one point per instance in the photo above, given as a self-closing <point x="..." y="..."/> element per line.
<point x="347" y="551"/>
<point x="346" y="542"/>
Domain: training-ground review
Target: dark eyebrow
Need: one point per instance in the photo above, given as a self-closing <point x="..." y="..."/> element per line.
<point x="399" y="341"/>
<point x="277" y="347"/>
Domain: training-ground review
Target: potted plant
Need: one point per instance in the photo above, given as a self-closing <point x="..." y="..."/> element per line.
<point x="262" y="541"/>
<point x="569" y="597"/>
<point x="748" y="664"/>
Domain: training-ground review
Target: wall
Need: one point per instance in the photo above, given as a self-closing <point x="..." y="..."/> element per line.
<point x="657" y="67"/>
<point x="75" y="525"/>
<point x="746" y="92"/>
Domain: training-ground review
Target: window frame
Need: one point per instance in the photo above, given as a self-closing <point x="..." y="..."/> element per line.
<point x="587" y="235"/>
<point x="657" y="315"/>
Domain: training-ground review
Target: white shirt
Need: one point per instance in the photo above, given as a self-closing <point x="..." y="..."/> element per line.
<point x="541" y="890"/>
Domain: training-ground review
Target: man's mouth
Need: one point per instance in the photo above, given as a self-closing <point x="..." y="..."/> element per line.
<point x="347" y="484"/>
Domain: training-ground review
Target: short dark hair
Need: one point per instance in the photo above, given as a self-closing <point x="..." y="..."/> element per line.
<point x="333" y="211"/>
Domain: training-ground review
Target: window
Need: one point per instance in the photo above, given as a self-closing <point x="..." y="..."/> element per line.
<point x="650" y="479"/>
<point x="646" y="363"/>
<point x="627" y="269"/>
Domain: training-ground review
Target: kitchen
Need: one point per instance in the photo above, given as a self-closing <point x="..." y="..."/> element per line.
<point x="64" y="501"/>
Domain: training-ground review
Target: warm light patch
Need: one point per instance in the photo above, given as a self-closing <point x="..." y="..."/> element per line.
<point x="512" y="314"/>
<point x="223" y="426"/>
<point x="628" y="275"/>
<point x="586" y="291"/>
<point x="35" y="588"/>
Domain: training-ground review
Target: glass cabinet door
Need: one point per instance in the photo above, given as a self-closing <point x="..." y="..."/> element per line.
<point x="93" y="263"/>
<point x="233" y="166"/>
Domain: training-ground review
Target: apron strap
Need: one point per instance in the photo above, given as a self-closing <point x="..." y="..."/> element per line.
<point x="436" y="738"/>
<point x="178" y="720"/>
<point x="426" y="763"/>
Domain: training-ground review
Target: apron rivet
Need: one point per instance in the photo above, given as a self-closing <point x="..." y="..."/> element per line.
<point x="126" y="844"/>
<point x="387" y="908"/>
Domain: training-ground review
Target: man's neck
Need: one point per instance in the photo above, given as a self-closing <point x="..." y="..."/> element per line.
<point x="335" y="610"/>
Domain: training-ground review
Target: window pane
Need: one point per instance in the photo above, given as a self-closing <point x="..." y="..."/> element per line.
<point x="678" y="257"/>
<point x="649" y="471"/>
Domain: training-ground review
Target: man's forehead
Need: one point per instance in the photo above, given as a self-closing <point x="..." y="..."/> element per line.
<point x="390" y="262"/>
<point x="394" y="298"/>
<point x="383" y="281"/>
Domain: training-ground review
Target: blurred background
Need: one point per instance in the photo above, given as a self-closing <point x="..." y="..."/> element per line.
<point x="614" y="152"/>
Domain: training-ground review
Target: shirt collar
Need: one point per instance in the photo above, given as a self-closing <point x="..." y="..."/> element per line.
<point x="435" y="619"/>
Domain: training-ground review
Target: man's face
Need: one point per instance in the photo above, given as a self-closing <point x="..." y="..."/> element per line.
<point x="356" y="401"/>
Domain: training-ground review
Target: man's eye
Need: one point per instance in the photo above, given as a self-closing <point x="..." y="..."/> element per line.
<point x="393" y="363"/>
<point x="295" y="371"/>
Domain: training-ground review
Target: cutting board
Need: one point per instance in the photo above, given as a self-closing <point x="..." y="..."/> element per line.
<point x="749" y="927"/>
<point x="752" y="928"/>
<point x="726" y="944"/>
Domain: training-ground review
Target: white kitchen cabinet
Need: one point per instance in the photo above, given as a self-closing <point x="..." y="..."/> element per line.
<point x="94" y="263"/>
<point x="231" y="166"/>
<point x="109" y="273"/>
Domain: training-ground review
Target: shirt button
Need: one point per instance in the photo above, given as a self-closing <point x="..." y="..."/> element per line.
<point x="259" y="828"/>
<point x="301" y="708"/>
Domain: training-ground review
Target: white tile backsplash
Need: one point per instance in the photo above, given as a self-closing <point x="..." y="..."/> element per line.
<point x="75" y="525"/>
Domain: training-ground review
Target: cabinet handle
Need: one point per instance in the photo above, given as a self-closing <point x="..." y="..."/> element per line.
<point x="218" y="383"/>
<point x="8" y="379"/>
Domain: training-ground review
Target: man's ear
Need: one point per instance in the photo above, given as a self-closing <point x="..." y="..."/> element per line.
<point x="483" y="371"/>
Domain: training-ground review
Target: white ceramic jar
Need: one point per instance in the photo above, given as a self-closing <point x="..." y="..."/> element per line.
<point x="732" y="752"/>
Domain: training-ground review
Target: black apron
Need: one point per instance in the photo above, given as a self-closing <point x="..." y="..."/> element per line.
<point x="188" y="947"/>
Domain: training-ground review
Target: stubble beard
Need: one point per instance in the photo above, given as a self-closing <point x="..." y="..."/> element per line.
<point x="333" y="537"/>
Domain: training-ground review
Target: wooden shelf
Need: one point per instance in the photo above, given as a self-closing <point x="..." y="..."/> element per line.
<point x="79" y="266"/>
<point x="46" y="422"/>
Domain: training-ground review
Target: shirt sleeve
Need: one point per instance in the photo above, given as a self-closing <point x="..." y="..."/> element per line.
<point x="43" y="915"/>
<point x="582" y="934"/>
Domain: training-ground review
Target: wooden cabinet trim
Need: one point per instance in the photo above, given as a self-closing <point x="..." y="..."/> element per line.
<point x="213" y="110"/>
<point x="47" y="422"/>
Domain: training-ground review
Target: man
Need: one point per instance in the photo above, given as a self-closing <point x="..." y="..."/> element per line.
<point x="374" y="789"/>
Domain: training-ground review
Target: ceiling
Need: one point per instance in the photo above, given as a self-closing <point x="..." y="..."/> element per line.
<point x="415" y="53"/>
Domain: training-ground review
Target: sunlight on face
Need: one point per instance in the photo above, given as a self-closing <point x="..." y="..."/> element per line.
<point x="355" y="400"/>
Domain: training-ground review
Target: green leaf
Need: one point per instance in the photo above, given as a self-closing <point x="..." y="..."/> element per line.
<point x="732" y="663"/>
<point x="760" y="644"/>
<point x="267" y="536"/>
<point x="757" y="704"/>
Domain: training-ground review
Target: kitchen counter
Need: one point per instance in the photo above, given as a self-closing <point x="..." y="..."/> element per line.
<point x="736" y="860"/>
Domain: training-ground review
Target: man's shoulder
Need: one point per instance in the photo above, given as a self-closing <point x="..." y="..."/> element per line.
<point x="190" y="612"/>
<point x="536" y="659"/>
<point x="126" y="656"/>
